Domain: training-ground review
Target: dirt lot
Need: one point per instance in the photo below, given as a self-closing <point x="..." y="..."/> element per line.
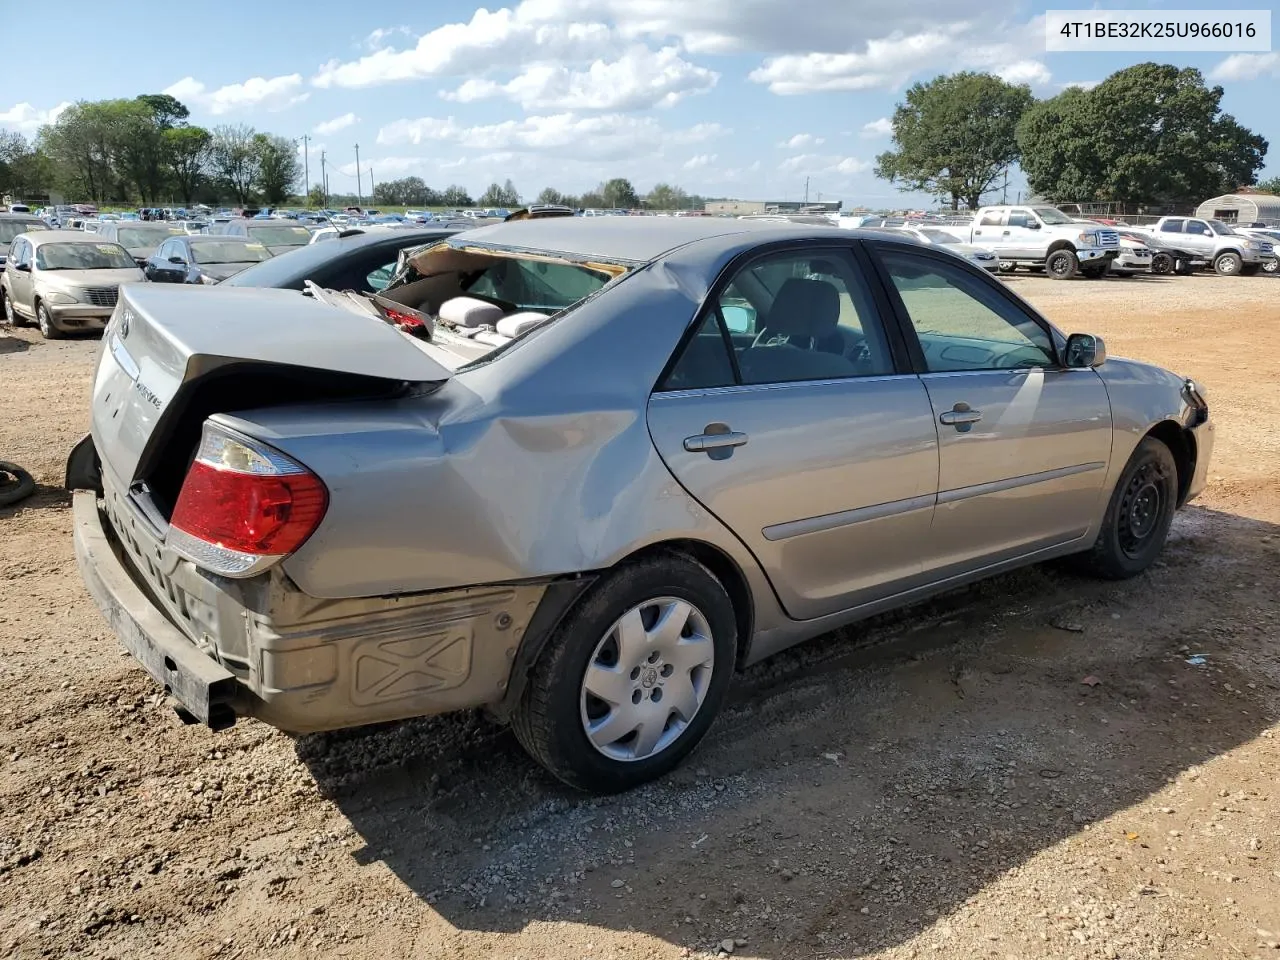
<point x="940" y="783"/>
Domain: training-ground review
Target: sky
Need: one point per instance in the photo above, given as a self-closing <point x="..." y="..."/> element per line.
<point x="739" y="98"/>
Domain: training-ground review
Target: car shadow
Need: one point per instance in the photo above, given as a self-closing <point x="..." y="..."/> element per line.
<point x="858" y="788"/>
<point x="11" y="344"/>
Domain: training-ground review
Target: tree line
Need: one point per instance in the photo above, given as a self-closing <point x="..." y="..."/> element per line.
<point x="145" y="150"/>
<point x="617" y="193"/>
<point x="1148" y="134"/>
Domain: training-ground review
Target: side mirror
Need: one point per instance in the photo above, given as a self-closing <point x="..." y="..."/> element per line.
<point x="24" y="267"/>
<point x="1033" y="224"/>
<point x="738" y="319"/>
<point x="1084" y="350"/>
<point x="178" y="260"/>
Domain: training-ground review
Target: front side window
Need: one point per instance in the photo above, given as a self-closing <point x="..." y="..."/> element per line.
<point x="790" y="317"/>
<point x="1021" y="218"/>
<point x="960" y="322"/>
<point x="1197" y="227"/>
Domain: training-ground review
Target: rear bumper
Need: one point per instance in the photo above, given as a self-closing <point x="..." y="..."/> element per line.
<point x="199" y="684"/>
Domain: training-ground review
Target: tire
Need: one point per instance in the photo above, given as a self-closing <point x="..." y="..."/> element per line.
<point x="1138" y="515"/>
<point x="15" y="484"/>
<point x="1250" y="269"/>
<point x="561" y="703"/>
<point x="1007" y="266"/>
<point x="13" y="317"/>
<point x="1161" y="264"/>
<point x="1228" y="264"/>
<point x="1062" y="264"/>
<point x="45" y="322"/>
<point x="1271" y="266"/>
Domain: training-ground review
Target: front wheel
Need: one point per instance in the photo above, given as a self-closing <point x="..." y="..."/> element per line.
<point x="1062" y="264"/>
<point x="1271" y="266"/>
<point x="1138" y="516"/>
<point x="1228" y="264"/>
<point x="47" y="329"/>
<point x="1007" y="266"/>
<point x="633" y="677"/>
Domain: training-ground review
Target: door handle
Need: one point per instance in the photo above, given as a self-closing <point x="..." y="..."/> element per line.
<point x="1006" y="233"/>
<point x="961" y="416"/>
<point x="707" y="442"/>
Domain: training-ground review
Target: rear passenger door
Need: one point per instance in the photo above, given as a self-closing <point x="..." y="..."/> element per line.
<point x="790" y="414"/>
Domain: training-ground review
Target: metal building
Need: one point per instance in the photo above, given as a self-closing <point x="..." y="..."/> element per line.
<point x="1241" y="208"/>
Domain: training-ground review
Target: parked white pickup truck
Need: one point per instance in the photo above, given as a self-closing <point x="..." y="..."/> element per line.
<point x="1045" y="238"/>
<point x="1216" y="243"/>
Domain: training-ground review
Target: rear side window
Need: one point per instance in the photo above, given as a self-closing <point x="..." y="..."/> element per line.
<point x="1171" y="226"/>
<point x="992" y="219"/>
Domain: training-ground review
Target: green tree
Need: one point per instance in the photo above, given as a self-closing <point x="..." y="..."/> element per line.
<point x="619" y="193"/>
<point x="315" y="196"/>
<point x="168" y="111"/>
<point x="188" y="151"/>
<point x="78" y="145"/>
<point x="492" y="196"/>
<point x="456" y="196"/>
<point x="233" y="159"/>
<point x="1271" y="186"/>
<point x="1151" y="133"/>
<point x="593" y="198"/>
<point x="278" y="167"/>
<point x="551" y="195"/>
<point x="955" y="136"/>
<point x="664" y="196"/>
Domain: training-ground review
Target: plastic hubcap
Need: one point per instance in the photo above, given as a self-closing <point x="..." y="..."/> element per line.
<point x="646" y="679"/>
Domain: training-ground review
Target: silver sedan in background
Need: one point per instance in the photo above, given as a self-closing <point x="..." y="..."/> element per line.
<point x="620" y="459"/>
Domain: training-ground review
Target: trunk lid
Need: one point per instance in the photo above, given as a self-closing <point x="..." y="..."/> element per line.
<point x="175" y="354"/>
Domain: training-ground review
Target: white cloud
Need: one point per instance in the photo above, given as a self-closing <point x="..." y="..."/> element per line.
<point x="504" y="38"/>
<point x="604" y="136"/>
<point x="701" y="160"/>
<point x="888" y="62"/>
<point x="813" y="164"/>
<point x="380" y="35"/>
<point x="276" y="93"/>
<point x="1081" y="84"/>
<point x="877" y="128"/>
<point x="336" y="124"/>
<point x="1247" y="66"/>
<point x="26" y="119"/>
<point x="641" y="78"/>
<point x="801" y="140"/>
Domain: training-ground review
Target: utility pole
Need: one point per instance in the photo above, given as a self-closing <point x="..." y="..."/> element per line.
<point x="359" y="197"/>
<point x="371" y="184"/>
<point x="324" y="182"/>
<point x="1004" y="194"/>
<point x="306" y="169"/>
<point x="806" y="191"/>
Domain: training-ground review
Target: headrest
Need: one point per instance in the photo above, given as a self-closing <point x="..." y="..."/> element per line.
<point x="517" y="323"/>
<point x="470" y="312"/>
<point x="805" y="308"/>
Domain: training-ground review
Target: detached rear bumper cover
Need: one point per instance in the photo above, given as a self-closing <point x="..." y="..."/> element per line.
<point x="202" y="686"/>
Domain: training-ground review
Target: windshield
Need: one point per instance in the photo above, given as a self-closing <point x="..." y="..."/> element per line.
<point x="144" y="236"/>
<point x="83" y="256"/>
<point x="278" y="236"/>
<point x="536" y="284"/>
<point x="12" y="228"/>
<point x="229" y="251"/>
<point x="1052" y="215"/>
<point x="940" y="236"/>
<point x="1220" y="228"/>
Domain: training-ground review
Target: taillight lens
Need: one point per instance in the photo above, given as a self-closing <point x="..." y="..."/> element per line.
<point x="243" y="505"/>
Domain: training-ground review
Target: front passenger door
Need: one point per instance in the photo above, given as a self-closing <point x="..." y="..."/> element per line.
<point x="20" y="280"/>
<point x="1023" y="442"/>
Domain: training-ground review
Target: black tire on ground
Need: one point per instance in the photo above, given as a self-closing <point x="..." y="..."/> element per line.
<point x="1228" y="264"/>
<point x="549" y="719"/>
<point x="1162" y="263"/>
<point x="1138" y="515"/>
<point x="15" y="484"/>
<point x="45" y="322"/>
<point x="11" y="315"/>
<point x="1250" y="269"/>
<point x="1062" y="264"/>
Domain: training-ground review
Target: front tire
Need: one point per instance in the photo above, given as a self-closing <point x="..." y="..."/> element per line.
<point x="1138" y="515"/>
<point x="1062" y="264"/>
<point x="1271" y="266"/>
<point x="633" y="677"/>
<point x="1162" y="264"/>
<point x="1228" y="264"/>
<point x="45" y="321"/>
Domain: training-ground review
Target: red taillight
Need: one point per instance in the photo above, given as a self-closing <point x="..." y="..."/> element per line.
<point x="403" y="319"/>
<point x="243" y="505"/>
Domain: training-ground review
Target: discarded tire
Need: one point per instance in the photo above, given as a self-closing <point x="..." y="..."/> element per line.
<point x="15" y="484"/>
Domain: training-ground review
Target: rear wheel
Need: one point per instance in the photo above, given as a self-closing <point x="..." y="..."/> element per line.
<point x="1228" y="264"/>
<point x="47" y="329"/>
<point x="633" y="677"/>
<point x="1138" y="516"/>
<point x="1162" y="264"/>
<point x="1062" y="264"/>
<point x="1007" y="266"/>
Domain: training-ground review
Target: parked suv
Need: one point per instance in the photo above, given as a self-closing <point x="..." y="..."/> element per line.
<point x="64" y="280"/>
<point x="1045" y="237"/>
<point x="1230" y="253"/>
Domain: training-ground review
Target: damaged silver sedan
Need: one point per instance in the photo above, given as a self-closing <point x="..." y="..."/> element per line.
<point x="578" y="472"/>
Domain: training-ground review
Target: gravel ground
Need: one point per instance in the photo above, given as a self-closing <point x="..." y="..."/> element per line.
<point x="938" y="782"/>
